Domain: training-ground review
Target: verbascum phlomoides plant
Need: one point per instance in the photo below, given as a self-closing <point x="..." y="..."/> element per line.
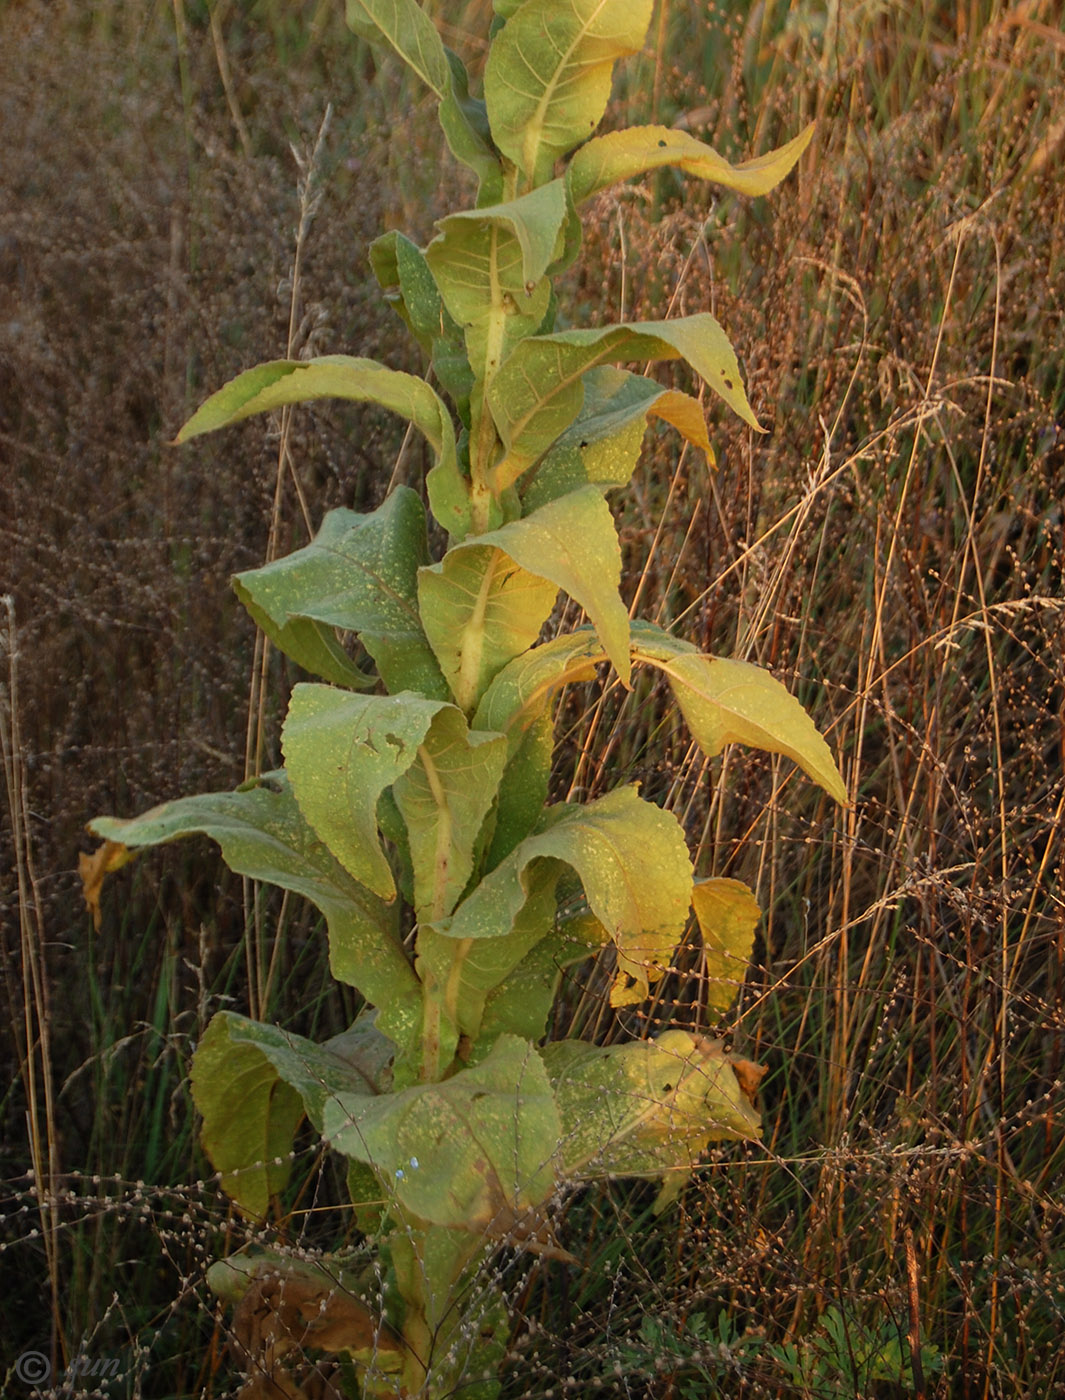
<point x="413" y="809"/>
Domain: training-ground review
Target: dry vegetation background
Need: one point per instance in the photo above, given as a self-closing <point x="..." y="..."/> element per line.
<point x="894" y="551"/>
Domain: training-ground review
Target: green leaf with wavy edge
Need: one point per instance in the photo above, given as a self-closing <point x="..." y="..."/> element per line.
<point x="602" y="445"/>
<point x="572" y="542"/>
<point x="479" y="610"/>
<point x="620" y="155"/>
<point x="648" y="1108"/>
<point x="252" y="1084"/>
<point x="633" y="863"/>
<point x="722" y="701"/>
<point x="521" y="1004"/>
<point x="467" y="969"/>
<point x="264" y="835"/>
<point x="549" y="71"/>
<point x="444" y="798"/>
<point x="474" y="1152"/>
<point x="279" y="382"/>
<point x="250" y="1117"/>
<point x="539" y="390"/>
<point x="359" y="574"/>
<point x="733" y="702"/>
<point x="341" y="751"/>
<point x="728" y="914"/>
<point x="489" y="264"/>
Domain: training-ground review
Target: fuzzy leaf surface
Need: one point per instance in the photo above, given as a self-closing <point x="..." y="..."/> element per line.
<point x="264" y="835"/>
<point x="480" y="609"/>
<point x="341" y="752"/>
<point x="733" y="702"/>
<point x="444" y="798"/>
<point x="539" y="390"/>
<point x="252" y="1083"/>
<point x="605" y="160"/>
<point x="633" y="862"/>
<point x="728" y="915"/>
<point x="359" y="574"/>
<point x="250" y="1116"/>
<point x="489" y="264"/>
<point x="548" y="76"/>
<point x="647" y="1108"/>
<point x="572" y="542"/>
<point x="474" y="1152"/>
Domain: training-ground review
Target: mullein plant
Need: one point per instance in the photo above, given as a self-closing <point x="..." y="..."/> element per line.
<point x="412" y="808"/>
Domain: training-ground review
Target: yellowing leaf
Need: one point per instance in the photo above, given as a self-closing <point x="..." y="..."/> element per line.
<point x="728" y="915"/>
<point x="605" y="160"/>
<point x="93" y="867"/>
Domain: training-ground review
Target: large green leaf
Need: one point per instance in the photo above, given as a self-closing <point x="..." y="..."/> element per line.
<point x="728" y="915"/>
<point x="539" y="390"/>
<point x="573" y="543"/>
<point x="264" y="835"/>
<point x="479" y="610"/>
<point x="603" y="444"/>
<point x="489" y="264"/>
<point x="733" y="702"/>
<point x="548" y="76"/>
<point x="341" y="752"/>
<point x="620" y="155"/>
<point x="252" y="1083"/>
<point x="633" y="863"/>
<point x="444" y="798"/>
<point x="466" y="970"/>
<point x="474" y="1152"/>
<point x="648" y="1108"/>
<point x="280" y="382"/>
<point x="359" y="574"/>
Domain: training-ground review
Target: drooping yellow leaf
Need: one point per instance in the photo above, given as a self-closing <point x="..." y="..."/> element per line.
<point x="620" y="155"/>
<point x="728" y="915"/>
<point x="93" y="866"/>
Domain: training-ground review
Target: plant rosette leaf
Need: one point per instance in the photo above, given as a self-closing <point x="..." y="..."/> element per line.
<point x="359" y="574"/>
<point x="633" y="863"/>
<point x="728" y="914"/>
<point x="473" y="1153"/>
<point x="252" y="1084"/>
<point x="263" y="834"/>
<point x="539" y="390"/>
<point x="548" y="75"/>
<point x="648" y="1108"/>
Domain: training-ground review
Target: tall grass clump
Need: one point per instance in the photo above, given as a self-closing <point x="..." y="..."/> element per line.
<point x="893" y="550"/>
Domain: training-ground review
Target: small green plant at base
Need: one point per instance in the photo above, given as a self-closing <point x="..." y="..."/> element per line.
<point x="413" y="809"/>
